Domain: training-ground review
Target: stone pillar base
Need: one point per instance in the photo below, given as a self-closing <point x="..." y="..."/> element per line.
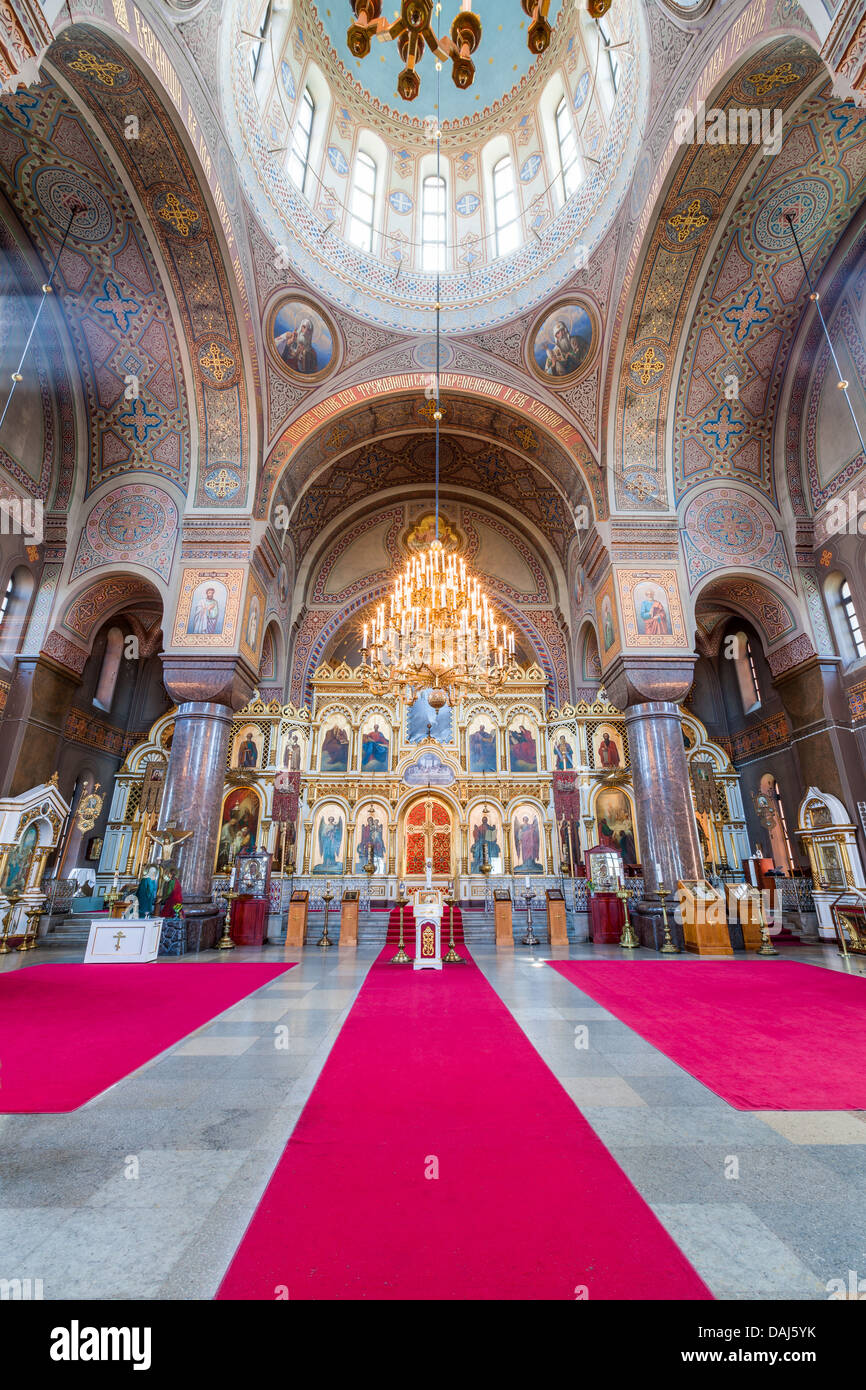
<point x="646" y="918"/>
<point x="206" y="921"/>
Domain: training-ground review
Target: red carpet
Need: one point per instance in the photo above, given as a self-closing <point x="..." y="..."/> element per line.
<point x="430" y="1068"/>
<point x="392" y="937"/>
<point x="68" y="1032"/>
<point x="764" y="1035"/>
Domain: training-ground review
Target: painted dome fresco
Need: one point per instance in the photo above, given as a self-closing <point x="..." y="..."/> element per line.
<point x="533" y="156"/>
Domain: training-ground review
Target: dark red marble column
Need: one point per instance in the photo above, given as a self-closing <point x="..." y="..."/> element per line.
<point x="208" y="696"/>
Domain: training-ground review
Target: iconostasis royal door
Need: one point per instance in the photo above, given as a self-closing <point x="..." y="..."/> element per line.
<point x="428" y="836"/>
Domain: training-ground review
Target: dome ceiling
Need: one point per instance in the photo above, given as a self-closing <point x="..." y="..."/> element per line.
<point x="508" y="112"/>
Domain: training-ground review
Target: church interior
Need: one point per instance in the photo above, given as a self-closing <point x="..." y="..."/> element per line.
<point x="432" y="609"/>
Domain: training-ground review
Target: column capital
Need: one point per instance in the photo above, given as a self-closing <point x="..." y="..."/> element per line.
<point x="211" y="679"/>
<point x="641" y="680"/>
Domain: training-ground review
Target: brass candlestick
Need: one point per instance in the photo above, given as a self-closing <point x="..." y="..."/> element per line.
<point x="530" y="939"/>
<point x="766" y="947"/>
<point x="452" y="957"/>
<point x="12" y="899"/>
<point x="225" y="942"/>
<point x="324" y="940"/>
<point x="28" y="943"/>
<point x="401" y="958"/>
<point x="627" y="941"/>
<point x="669" y="948"/>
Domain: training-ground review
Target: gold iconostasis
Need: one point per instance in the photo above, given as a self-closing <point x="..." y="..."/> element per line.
<point x="383" y="785"/>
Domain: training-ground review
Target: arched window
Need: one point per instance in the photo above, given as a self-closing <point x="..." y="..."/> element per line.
<point x="259" y="42"/>
<point x="433" y="223"/>
<point x="608" y="57"/>
<point x="747" y="676"/>
<point x="363" y="202"/>
<point x="14" y="608"/>
<point x="847" y="602"/>
<point x="566" y="142"/>
<point x="505" y="213"/>
<point x="7" y="599"/>
<point x="110" y="670"/>
<point x="302" y="134"/>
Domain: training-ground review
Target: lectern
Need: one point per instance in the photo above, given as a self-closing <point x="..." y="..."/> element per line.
<point x="349" y="917"/>
<point x="557" y="929"/>
<point x="296" y="925"/>
<point x="503" y="923"/>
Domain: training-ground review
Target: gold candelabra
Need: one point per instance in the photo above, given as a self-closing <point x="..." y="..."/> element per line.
<point x="530" y="939"/>
<point x="766" y="947"/>
<point x="628" y="941"/>
<point x="452" y="958"/>
<point x="401" y="958"/>
<point x="225" y="942"/>
<point x="12" y="899"/>
<point x="669" y="948"/>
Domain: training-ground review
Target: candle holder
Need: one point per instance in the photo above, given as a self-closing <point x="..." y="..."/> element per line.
<point x="766" y="947"/>
<point x="451" y="958"/>
<point x="530" y="939"/>
<point x="401" y="958"/>
<point x="669" y="948"/>
<point x="12" y="899"/>
<point x="32" y="914"/>
<point x="325" y="940"/>
<point x="627" y="941"/>
<point x="225" y="942"/>
<point x="112" y="898"/>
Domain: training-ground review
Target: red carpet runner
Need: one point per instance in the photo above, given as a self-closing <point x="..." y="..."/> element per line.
<point x="68" y="1032"/>
<point x="430" y="1070"/>
<point x="764" y="1035"/>
<point x="393" y="935"/>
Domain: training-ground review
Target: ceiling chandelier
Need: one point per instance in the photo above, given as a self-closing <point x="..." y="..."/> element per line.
<point x="437" y="631"/>
<point x="413" y="30"/>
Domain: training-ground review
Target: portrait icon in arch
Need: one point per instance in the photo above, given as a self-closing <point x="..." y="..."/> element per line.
<point x="651" y="610"/>
<point x="422" y="533"/>
<point x="578" y="585"/>
<point x="302" y="338"/>
<point x="563" y="753"/>
<point x="425" y="721"/>
<point x="19" y="861"/>
<point x="522" y="747"/>
<point x="207" y="609"/>
<point x="608" y="629"/>
<point x="526" y="838"/>
<point x="248" y="748"/>
<point x="607" y="749"/>
<point x="251" y="630"/>
<point x="481" y="740"/>
<point x="564" y="342"/>
<point x="372" y="827"/>
<point x="615" y="825"/>
<point x="335" y="745"/>
<point x="329" y="840"/>
<point x="375" y="744"/>
<point x="485" y="840"/>
<point x="239" y="828"/>
<point x="294" y="747"/>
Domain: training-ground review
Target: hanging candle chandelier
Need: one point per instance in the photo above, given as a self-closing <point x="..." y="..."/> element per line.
<point x="437" y="631"/>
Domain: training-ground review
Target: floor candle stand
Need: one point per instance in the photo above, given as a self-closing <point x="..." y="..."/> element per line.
<point x="452" y="958"/>
<point x="12" y="899"/>
<point x="225" y="942"/>
<point x="669" y="948"/>
<point x="324" y="940"/>
<point x="628" y="941"/>
<point x="530" y="939"/>
<point x="401" y="958"/>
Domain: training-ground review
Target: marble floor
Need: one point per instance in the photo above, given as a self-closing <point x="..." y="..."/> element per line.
<point x="146" y="1191"/>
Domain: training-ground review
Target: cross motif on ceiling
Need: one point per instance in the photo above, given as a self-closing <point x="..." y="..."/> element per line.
<point x="216" y="362"/>
<point x="100" y="68"/>
<point x="684" y="223"/>
<point x="222" y="485"/>
<point x="648" y="366"/>
<point x="765" y="82"/>
<point x="178" y="216"/>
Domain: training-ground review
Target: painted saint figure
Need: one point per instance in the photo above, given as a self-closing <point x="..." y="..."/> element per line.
<point x="484" y="834"/>
<point x="248" y="754"/>
<point x="372" y="838"/>
<point x="566" y="354"/>
<point x="527" y="842"/>
<point x="654" y="616"/>
<point x="608" y="753"/>
<point x="292" y="755"/>
<point x="482" y="750"/>
<point x="524" y="757"/>
<point x="206" y="614"/>
<point x="335" y="750"/>
<point x="375" y="748"/>
<point x="330" y="840"/>
<point x="563" y="753"/>
<point x="296" y="348"/>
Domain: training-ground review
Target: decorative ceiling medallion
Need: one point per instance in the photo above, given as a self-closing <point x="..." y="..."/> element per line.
<point x="807" y="200"/>
<point x="690" y="219"/>
<point x="302" y="339"/>
<point x="561" y="345"/>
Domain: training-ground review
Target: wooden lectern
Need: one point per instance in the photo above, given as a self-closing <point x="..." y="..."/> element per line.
<point x="349" y="918"/>
<point x="296" y="925"/>
<point x="557" y="929"/>
<point x="705" y="923"/>
<point x="502" y="919"/>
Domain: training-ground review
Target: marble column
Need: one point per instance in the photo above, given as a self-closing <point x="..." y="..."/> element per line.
<point x="207" y="697"/>
<point x="648" y="691"/>
<point x="39" y="700"/>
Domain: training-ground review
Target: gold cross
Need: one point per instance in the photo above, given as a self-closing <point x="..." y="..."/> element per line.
<point x="336" y="437"/>
<point x="648" y="365"/>
<point x="642" y="488"/>
<point x="179" y="217"/>
<point x="690" y="221"/>
<point x="91" y="66"/>
<point x="428" y="409"/>
<point x="223" y="485"/>
<point x="118" y="937"/>
<point x="217" y="362"/>
<point x="764" y="82"/>
<point x="525" y="437"/>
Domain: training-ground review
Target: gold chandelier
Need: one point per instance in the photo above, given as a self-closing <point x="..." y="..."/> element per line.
<point x="413" y="30"/>
<point x="439" y="632"/>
